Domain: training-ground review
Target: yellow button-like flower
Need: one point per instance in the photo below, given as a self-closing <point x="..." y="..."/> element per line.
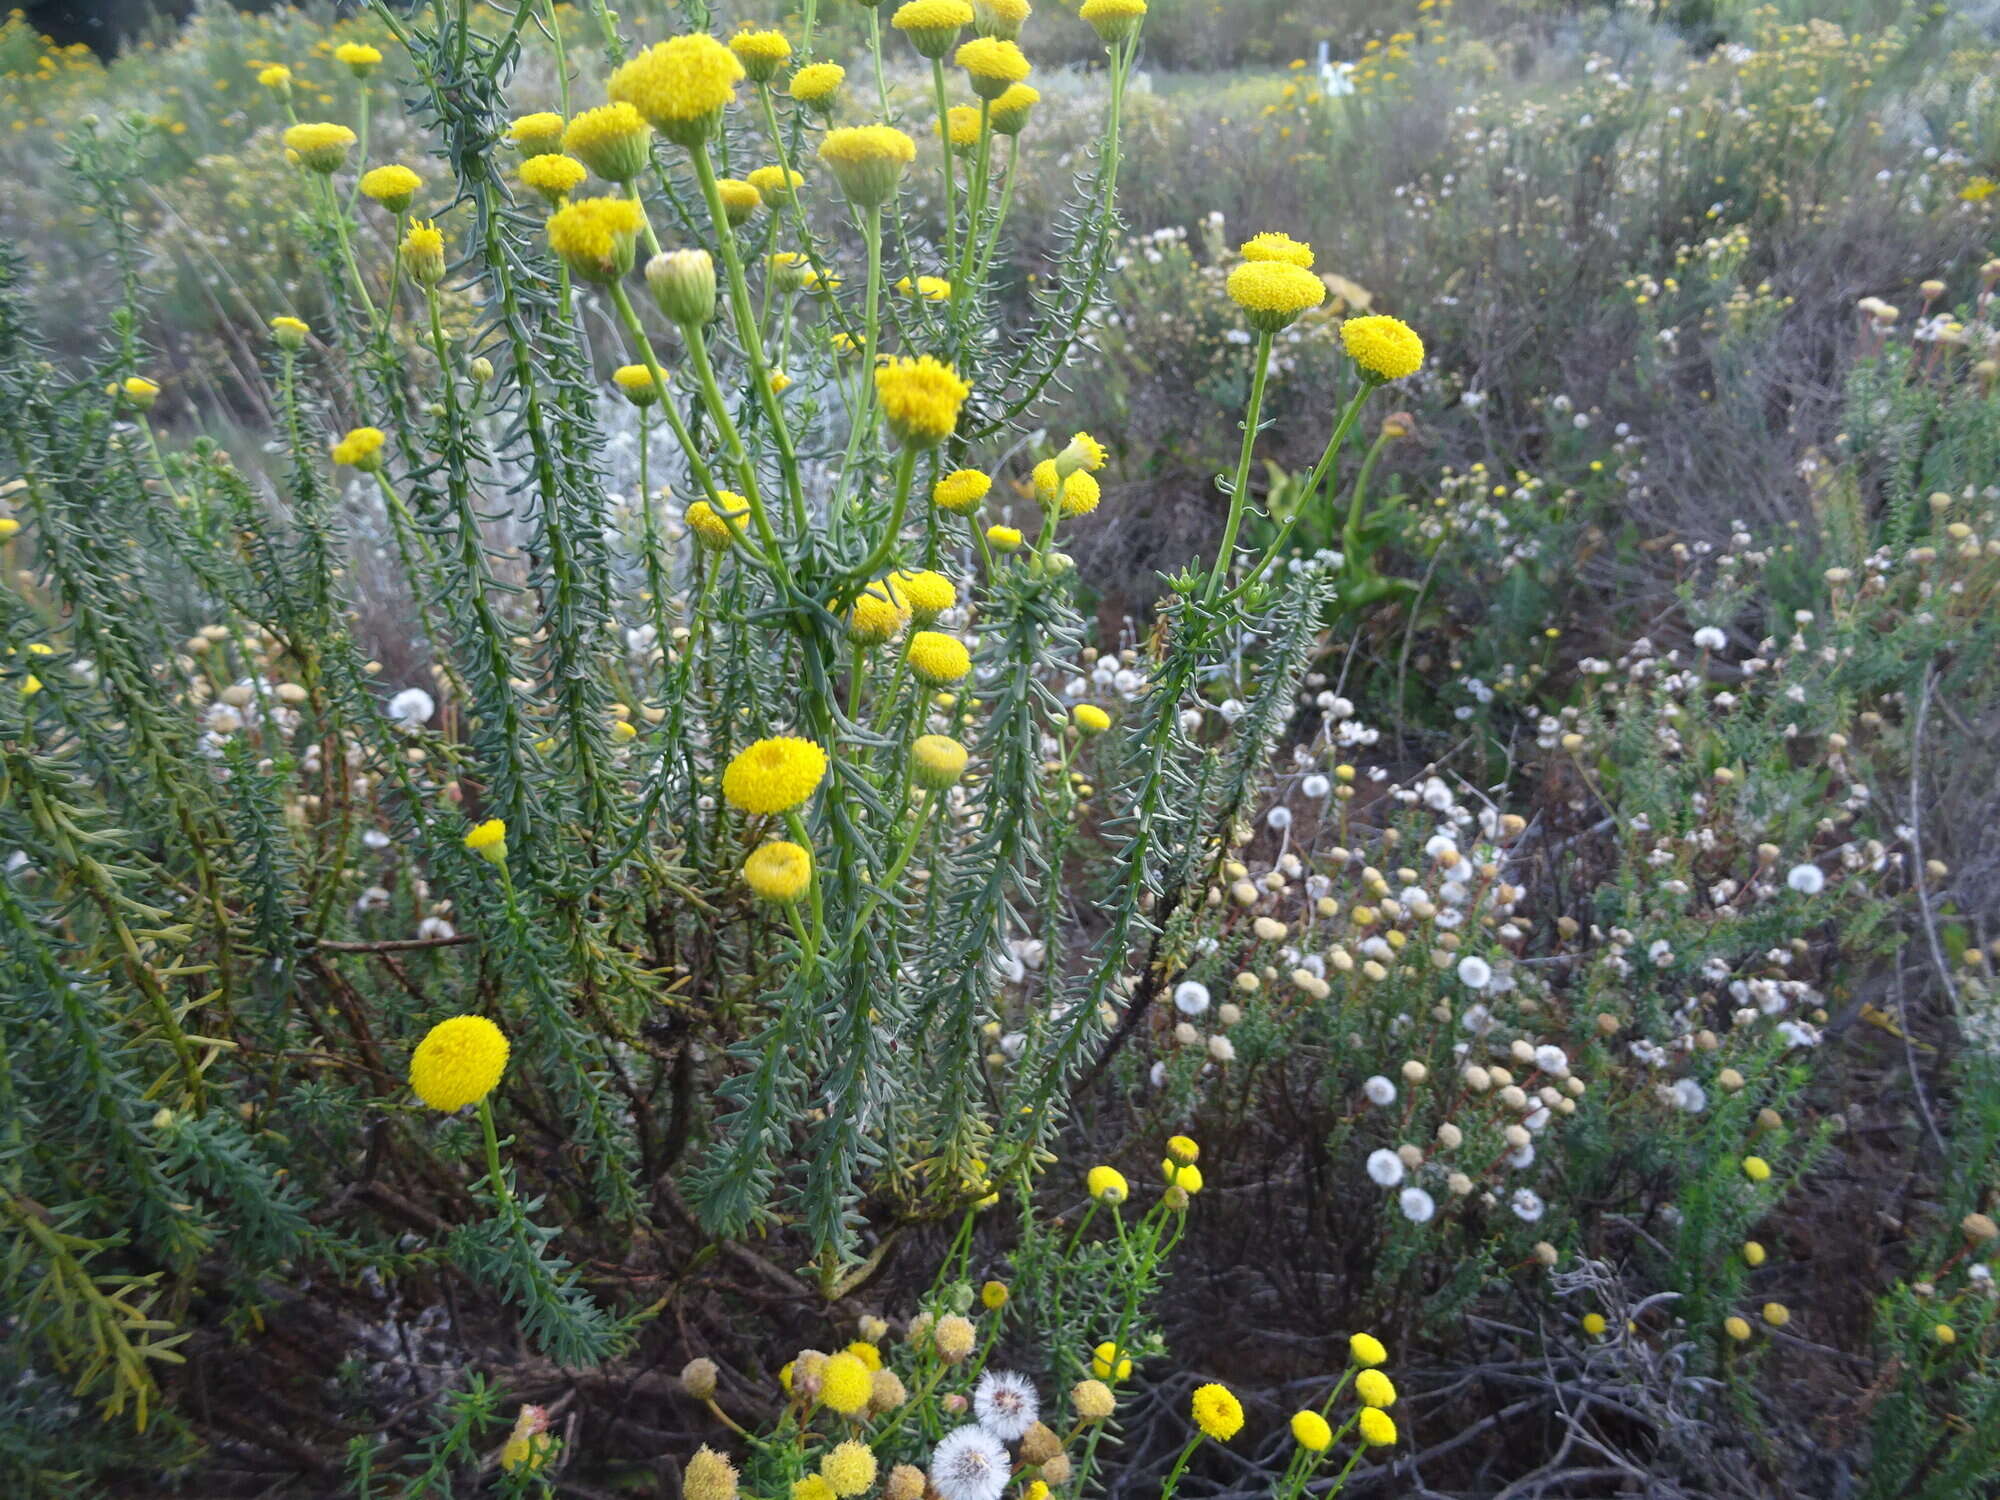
<point x="1387" y="348"/>
<point x="358" y="58"/>
<point x="868" y="160"/>
<point x="873" y="617"/>
<point x="816" y="84"/>
<point x="361" y="449"/>
<point x="923" y="594"/>
<point x="1217" y="1412"/>
<point x="1092" y="1400"/>
<point x="553" y="175"/>
<point x="1310" y="1431"/>
<point x="1367" y="1349"/>
<point x="637" y="382"/>
<point x="993" y="1295"/>
<point x="844" y="1384"/>
<point x="277" y="77"/>
<point x="1777" y="1314"/>
<point x="991" y="65"/>
<point x="1593" y="1325"/>
<point x="392" y="186"/>
<point x="290" y="332"/>
<point x="1090" y="718"/>
<point x="614" y="141"/>
<point x="321" y="146"/>
<point x="1004" y="538"/>
<point x="762" y="53"/>
<point x="1107" y="1362"/>
<point x="1001" y="18"/>
<point x="937" y="659"/>
<point x="1756" y="1169"/>
<point x="1377" y="1427"/>
<point x="536" y="135"/>
<point x="681" y="86"/>
<point x="596" y="237"/>
<point x="717" y="529"/>
<point x="1272" y="293"/>
<point x="774" y="183"/>
<point x="740" y="199"/>
<point x="937" y="761"/>
<point x="1183" y="1175"/>
<point x="961" y="127"/>
<point x="1753" y="1253"/>
<point x="1008" y="114"/>
<point x="422" y="253"/>
<point x="1736" y="1328"/>
<point x="1182" y="1150"/>
<point x="1113" y="20"/>
<point x="1273" y="246"/>
<point x="849" y="1467"/>
<point x="779" y="871"/>
<point x="960" y="491"/>
<point x="1107" y="1185"/>
<point x="920" y="399"/>
<point x="932" y="25"/>
<point x="774" y="775"/>
<point x="1080" y="493"/>
<point x="459" y="1062"/>
<point x="489" y="841"/>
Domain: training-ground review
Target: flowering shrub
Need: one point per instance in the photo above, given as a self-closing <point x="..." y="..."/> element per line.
<point x="565" y="817"/>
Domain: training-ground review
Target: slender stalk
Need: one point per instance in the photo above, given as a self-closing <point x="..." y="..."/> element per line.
<point x="1240" y="491"/>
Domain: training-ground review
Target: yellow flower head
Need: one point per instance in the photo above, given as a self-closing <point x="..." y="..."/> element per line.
<point x="1182" y="1150"/>
<point x="1107" y="1185"/>
<point x="849" y="1467"/>
<point x="1777" y="1314"/>
<point x="991" y="65"/>
<point x="596" y="237"/>
<point x="960" y="491"/>
<point x="844" y="1384"/>
<point x="1756" y="1169"/>
<point x="489" y="841"/>
<point x="1272" y="293"/>
<point x="1107" y="1362"/>
<point x="1080" y="493"/>
<point x="1090" y="718"/>
<point x="321" y="146"/>
<point x="1387" y="348"/>
<point x="868" y="160"/>
<point x="139" y="391"/>
<point x="937" y="659"/>
<point x="361" y="449"/>
<point x="993" y="1295"/>
<point x="817" y="83"/>
<point x="873" y="617"/>
<point x="932" y="25"/>
<point x="614" y="141"/>
<point x="937" y="761"/>
<point x="1008" y="114"/>
<point x="923" y="595"/>
<point x="1377" y="1427"/>
<point x="636" y="381"/>
<point x="1375" y="1389"/>
<point x="779" y="871"/>
<point x="775" y="184"/>
<point x="713" y="529"/>
<point x="277" y="77"/>
<point x="929" y="288"/>
<point x="920" y="398"/>
<point x="1273" y="246"/>
<point x="1753" y="1253"/>
<point x="681" y="86"/>
<point x="459" y="1062"/>
<point x="1113" y="20"/>
<point x="762" y="53"/>
<point x="1737" y="1328"/>
<point x="1593" y="1325"/>
<point x="290" y="332"/>
<point x="1001" y="18"/>
<point x="812" y="1487"/>
<point x="740" y="199"/>
<point x="1183" y="1175"/>
<point x="709" y="1476"/>
<point x="536" y="134"/>
<point x="422" y="253"/>
<point x="1004" y="538"/>
<point x="1217" y="1412"/>
<point x="358" y="57"/>
<point x="1083" y="452"/>
<point x="1093" y="1400"/>
<point x="553" y="175"/>
<point x="774" y="775"/>
<point x="961" y="127"/>
<point x="1367" y="1350"/>
<point x="392" y="186"/>
<point x="1310" y="1431"/>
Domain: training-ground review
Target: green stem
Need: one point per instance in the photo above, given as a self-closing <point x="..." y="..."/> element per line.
<point x="1239" y="493"/>
<point x="950" y="174"/>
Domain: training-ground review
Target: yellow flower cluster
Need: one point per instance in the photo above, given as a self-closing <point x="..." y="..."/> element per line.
<point x="920" y="398"/>
<point x="922" y="595"/>
<point x="740" y="199"/>
<point x="1113" y="20"/>
<point x="392" y="186"/>
<point x="595" y="236"/>
<point x="1271" y="245"/>
<point x="845" y="1384"/>
<point x="459" y="1062"/>
<point x="938" y="761"/>
<point x="553" y="175"/>
<point x="774" y="775"/>
<point x="361" y="448"/>
<point x="932" y="25"/>
<point x="1387" y="348"/>
<point x="1008" y="115"/>
<point x="320" y="146"/>
<point x="991" y="65"/>
<point x="536" y="134"/>
<point x="937" y="659"/>
<point x="775" y="184"/>
<point x="960" y="491"/>
<point x="1217" y="1412"/>
<point x="614" y="141"/>
<point x="1272" y="293"/>
<point x="422" y="253"/>
<point x="779" y="871"/>
<point x="357" y="57"/>
<point x="762" y="53"/>
<point x="817" y="83"/>
<point x="868" y="160"/>
<point x="715" y="529"/>
<point x="681" y="86"/>
<point x="637" y="382"/>
<point x="961" y="127"/>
